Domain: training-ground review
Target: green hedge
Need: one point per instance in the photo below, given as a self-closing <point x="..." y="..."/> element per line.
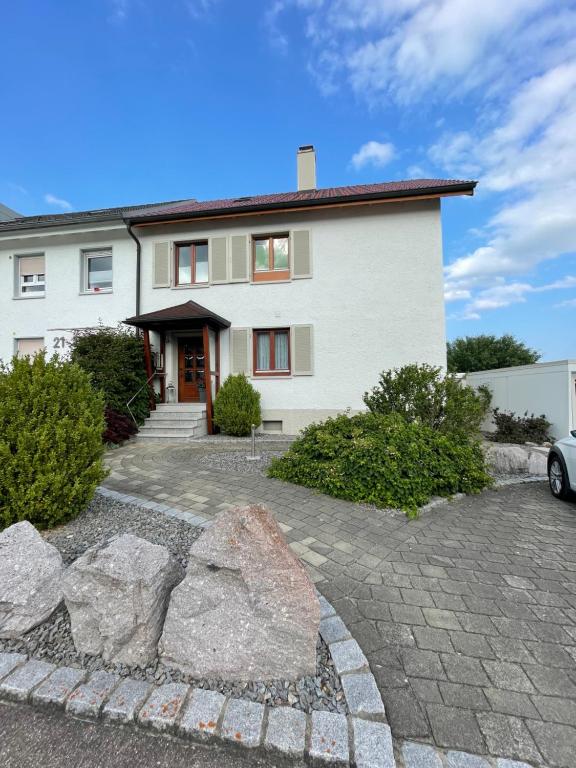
<point x="51" y="424"/>
<point x="382" y="460"/>
<point x="114" y="357"/>
<point x="237" y="406"/>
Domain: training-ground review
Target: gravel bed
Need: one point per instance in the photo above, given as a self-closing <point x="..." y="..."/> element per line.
<point x="52" y="640"/>
<point x="237" y="461"/>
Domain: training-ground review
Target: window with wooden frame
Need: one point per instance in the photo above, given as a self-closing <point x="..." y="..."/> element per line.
<point x="270" y="257"/>
<point x="191" y="263"/>
<point x="271" y="352"/>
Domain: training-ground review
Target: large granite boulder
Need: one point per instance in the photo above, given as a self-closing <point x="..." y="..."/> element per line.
<point x="246" y="609"/>
<point x="30" y="573"/>
<point x="117" y="598"/>
<point x="507" y="459"/>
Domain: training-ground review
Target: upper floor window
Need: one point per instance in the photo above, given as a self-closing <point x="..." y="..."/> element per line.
<point x="97" y="269"/>
<point x="271" y="259"/>
<point x="191" y="263"/>
<point x="31" y="275"/>
<point x="272" y="352"/>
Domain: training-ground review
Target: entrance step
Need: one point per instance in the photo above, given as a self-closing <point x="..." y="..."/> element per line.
<point x="175" y="422"/>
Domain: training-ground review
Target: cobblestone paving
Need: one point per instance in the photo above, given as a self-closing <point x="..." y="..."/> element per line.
<point x="467" y="616"/>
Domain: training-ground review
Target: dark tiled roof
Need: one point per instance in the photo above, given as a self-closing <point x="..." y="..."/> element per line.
<point x="191" y="208"/>
<point x="187" y="311"/>
<point x="307" y="198"/>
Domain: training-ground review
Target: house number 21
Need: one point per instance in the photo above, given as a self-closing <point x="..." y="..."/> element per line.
<point x="60" y="342"/>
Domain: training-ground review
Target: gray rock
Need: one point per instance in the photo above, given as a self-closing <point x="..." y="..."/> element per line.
<point x="372" y="744"/>
<point x="246" y="609"/>
<point x="286" y="732"/>
<point x="507" y="459"/>
<point x="30" y="573"/>
<point x="537" y="463"/>
<point x="117" y="598"/>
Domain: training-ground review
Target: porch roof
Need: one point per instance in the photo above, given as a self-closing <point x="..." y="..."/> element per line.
<point x="180" y="317"/>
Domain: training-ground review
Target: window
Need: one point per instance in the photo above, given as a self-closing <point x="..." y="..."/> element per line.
<point x="29" y="346"/>
<point x="97" y="271"/>
<point x="31" y="276"/>
<point x="272" y="352"/>
<point x="270" y="257"/>
<point x="191" y="263"/>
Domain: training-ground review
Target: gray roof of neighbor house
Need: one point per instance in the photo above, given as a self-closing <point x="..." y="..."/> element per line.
<point x="188" y="209"/>
<point x="7" y="214"/>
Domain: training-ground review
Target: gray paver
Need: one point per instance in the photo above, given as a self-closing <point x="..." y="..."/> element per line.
<point x="362" y="694"/>
<point x="372" y="744"/>
<point x="56" y="689"/>
<point x="242" y="722"/>
<point x="465" y="760"/>
<point x="163" y="705"/>
<point x="329" y="738"/>
<point x="347" y="656"/>
<point x="201" y="712"/>
<point x="417" y="755"/>
<point x="333" y="629"/>
<point x="87" y="699"/>
<point x="286" y="731"/>
<point x="124" y="704"/>
<point x="505" y="763"/>
<point x="21" y="682"/>
<point x="326" y="608"/>
<point x="9" y="662"/>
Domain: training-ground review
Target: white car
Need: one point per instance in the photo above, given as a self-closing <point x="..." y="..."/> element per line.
<point x="562" y="466"/>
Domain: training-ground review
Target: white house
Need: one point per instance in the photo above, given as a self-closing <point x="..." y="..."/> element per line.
<point x="310" y="293"/>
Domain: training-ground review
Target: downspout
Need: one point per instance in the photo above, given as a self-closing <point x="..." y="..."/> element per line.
<point x="138" y="263"/>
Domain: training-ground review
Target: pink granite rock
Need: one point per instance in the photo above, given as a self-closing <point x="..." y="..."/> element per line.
<point x="246" y="609"/>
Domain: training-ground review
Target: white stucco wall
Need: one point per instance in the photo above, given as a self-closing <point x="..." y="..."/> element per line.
<point x="64" y="307"/>
<point x="375" y="300"/>
<point x="542" y="388"/>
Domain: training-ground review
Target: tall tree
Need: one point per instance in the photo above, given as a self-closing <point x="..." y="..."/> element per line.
<point x="481" y="353"/>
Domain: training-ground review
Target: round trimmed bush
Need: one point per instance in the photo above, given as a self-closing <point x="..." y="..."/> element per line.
<point x="51" y="425"/>
<point x="383" y="460"/>
<point x="237" y="406"/>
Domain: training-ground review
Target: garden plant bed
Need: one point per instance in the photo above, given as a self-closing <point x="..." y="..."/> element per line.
<point x="239" y="461"/>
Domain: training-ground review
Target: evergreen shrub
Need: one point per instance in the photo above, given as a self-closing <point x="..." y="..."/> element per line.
<point x="51" y="425"/>
<point x="237" y="406"/>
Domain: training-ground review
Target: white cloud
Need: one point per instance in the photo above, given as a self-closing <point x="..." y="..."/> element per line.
<point x="373" y="153"/>
<point x="568" y="303"/>
<point x="58" y="202"/>
<point x="119" y="11"/>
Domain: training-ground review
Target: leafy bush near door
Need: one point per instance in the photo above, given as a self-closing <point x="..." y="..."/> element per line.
<point x="520" y="429"/>
<point x="114" y="357"/>
<point x="237" y="406"/>
<point x="382" y="460"/>
<point x="51" y="424"/>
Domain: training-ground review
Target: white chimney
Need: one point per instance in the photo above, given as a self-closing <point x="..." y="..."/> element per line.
<point x="306" y="164"/>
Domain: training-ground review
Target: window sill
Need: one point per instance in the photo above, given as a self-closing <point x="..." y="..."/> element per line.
<point x="188" y="286"/>
<point x="95" y="293"/>
<point x="271" y="276"/>
<point x="272" y="375"/>
<point x="268" y="281"/>
<point x="28" y="298"/>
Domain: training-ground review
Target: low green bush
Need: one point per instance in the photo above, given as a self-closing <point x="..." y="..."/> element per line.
<point x="114" y="357"/>
<point x="51" y="425"/>
<point x="520" y="429"/>
<point x="424" y="395"/>
<point x="237" y="406"/>
<point x="383" y="460"/>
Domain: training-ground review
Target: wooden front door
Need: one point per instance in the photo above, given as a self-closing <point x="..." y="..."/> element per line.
<point x="191" y="370"/>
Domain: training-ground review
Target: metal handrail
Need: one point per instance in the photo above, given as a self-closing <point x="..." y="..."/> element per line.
<point x="136" y="395"/>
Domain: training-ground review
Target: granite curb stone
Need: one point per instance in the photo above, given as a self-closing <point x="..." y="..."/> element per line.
<point x="21" y="682"/>
<point x="58" y="687"/>
<point x="163" y="706"/>
<point x="362" y="694"/>
<point x="9" y="662"/>
<point x="329" y="739"/>
<point x="87" y="700"/>
<point x="286" y="731"/>
<point x="201" y="714"/>
<point x="126" y="700"/>
<point x="242" y="723"/>
<point x="347" y="656"/>
<point x="417" y="755"/>
<point x="372" y="744"/>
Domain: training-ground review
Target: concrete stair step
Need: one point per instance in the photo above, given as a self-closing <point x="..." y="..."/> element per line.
<point x="171" y="416"/>
<point x="179" y="407"/>
<point x="172" y="426"/>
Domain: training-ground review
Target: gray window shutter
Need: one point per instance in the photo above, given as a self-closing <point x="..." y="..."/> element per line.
<point x="218" y="260"/>
<point x="302" y="355"/>
<point x="239" y="249"/>
<point x="301" y="254"/>
<point x="240" y="358"/>
<point x="161" y="273"/>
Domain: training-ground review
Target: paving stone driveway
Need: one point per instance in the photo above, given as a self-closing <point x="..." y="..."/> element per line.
<point x="467" y="616"/>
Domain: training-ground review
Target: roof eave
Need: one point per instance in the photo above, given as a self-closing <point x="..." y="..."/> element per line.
<point x="466" y="188"/>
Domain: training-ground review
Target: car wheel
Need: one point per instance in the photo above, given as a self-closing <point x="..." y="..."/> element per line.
<point x="557" y="478"/>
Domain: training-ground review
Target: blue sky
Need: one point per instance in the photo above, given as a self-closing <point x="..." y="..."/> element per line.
<point x="109" y="102"/>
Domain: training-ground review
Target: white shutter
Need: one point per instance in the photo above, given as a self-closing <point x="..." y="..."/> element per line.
<point x="301" y="254"/>
<point x="161" y="267"/>
<point x="240" y="358"/>
<point x="218" y="260"/>
<point x="302" y="353"/>
<point x="239" y="258"/>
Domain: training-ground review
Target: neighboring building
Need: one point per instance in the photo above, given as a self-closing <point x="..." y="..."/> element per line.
<point x="310" y="293"/>
<point x="541" y="388"/>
